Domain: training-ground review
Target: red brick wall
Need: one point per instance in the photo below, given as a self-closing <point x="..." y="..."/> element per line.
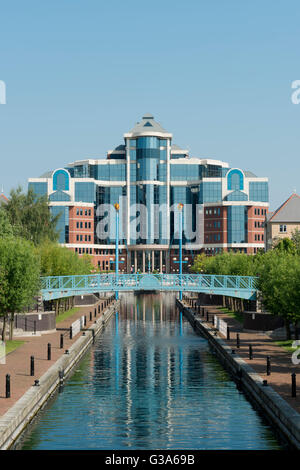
<point x="85" y="220"/>
<point x="256" y="219"/>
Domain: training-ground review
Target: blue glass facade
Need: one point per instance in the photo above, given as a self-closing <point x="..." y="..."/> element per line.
<point x="63" y="222"/>
<point x="237" y="224"/>
<point x="258" y="191"/>
<point x="85" y="192"/>
<point x="40" y="189"/>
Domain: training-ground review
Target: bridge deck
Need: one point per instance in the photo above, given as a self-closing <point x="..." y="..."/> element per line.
<point x="54" y="287"/>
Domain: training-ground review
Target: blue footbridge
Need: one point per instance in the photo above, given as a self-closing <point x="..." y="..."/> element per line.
<point x="54" y="287"/>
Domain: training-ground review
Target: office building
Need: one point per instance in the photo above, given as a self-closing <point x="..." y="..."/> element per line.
<point x="224" y="208"/>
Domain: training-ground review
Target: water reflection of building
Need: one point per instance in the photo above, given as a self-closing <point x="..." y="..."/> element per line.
<point x="145" y="363"/>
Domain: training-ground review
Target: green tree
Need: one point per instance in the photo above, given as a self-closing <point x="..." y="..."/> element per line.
<point x="279" y="284"/>
<point x="6" y="229"/>
<point x="57" y="260"/>
<point x="295" y="237"/>
<point x="19" y="278"/>
<point x="30" y="216"/>
<point x="286" y="245"/>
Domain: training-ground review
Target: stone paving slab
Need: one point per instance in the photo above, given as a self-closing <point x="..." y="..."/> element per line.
<point x="18" y="361"/>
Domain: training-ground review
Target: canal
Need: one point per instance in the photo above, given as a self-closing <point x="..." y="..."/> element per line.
<point x="149" y="382"/>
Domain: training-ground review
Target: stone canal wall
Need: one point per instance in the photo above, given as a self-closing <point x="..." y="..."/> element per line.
<point x="13" y="423"/>
<point x="282" y="416"/>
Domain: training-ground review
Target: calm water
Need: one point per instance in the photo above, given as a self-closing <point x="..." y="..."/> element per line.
<point x="149" y="382"/>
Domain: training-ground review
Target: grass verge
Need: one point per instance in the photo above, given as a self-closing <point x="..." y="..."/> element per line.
<point x="286" y="345"/>
<point x="10" y="346"/>
<point x="66" y="314"/>
<point x="236" y="315"/>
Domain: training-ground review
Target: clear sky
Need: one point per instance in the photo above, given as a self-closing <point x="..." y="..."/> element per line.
<point x="215" y="73"/>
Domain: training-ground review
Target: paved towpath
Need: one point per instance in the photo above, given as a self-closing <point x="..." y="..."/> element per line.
<point x="18" y="361"/>
<point x="262" y="345"/>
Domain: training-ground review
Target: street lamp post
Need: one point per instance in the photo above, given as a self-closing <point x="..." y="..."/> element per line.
<point x="117" y="207"/>
<point x="180" y="207"/>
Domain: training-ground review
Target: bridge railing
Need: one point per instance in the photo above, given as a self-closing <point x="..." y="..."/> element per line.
<point x="134" y="281"/>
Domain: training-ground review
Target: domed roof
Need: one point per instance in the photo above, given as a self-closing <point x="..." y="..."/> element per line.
<point x="148" y="126"/>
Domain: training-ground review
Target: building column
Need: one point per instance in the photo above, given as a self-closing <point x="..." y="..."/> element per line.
<point x="135" y="261"/>
<point x="168" y="264"/>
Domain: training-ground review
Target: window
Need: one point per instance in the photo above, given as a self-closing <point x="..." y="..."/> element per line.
<point x="39" y="189"/>
<point x="235" y="180"/>
<point x="59" y="196"/>
<point x="85" y="192"/>
<point x="60" y="180"/>
<point x="258" y="191"/>
<point x="282" y="228"/>
<point x="236" y="196"/>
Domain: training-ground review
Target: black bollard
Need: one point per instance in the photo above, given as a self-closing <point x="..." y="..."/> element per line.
<point x="61" y="375"/>
<point x="49" y="352"/>
<point x="90" y="316"/>
<point x="34" y="327"/>
<point x="268" y="365"/>
<point x="228" y="333"/>
<point x="32" y="366"/>
<point x="294" y="385"/>
<point x="250" y="352"/>
<point x="71" y="333"/>
<point x="7" y="386"/>
<point x="84" y="320"/>
<point x="61" y="341"/>
<point x="98" y="308"/>
<point x="95" y="312"/>
<point x="237" y="341"/>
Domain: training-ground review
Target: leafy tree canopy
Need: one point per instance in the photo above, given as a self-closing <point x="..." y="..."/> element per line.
<point x="30" y="216"/>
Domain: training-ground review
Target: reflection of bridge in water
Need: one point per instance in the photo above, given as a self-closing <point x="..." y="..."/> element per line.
<point x="54" y="287"/>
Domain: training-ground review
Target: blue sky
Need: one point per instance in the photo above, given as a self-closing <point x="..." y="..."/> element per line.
<point x="217" y="74"/>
